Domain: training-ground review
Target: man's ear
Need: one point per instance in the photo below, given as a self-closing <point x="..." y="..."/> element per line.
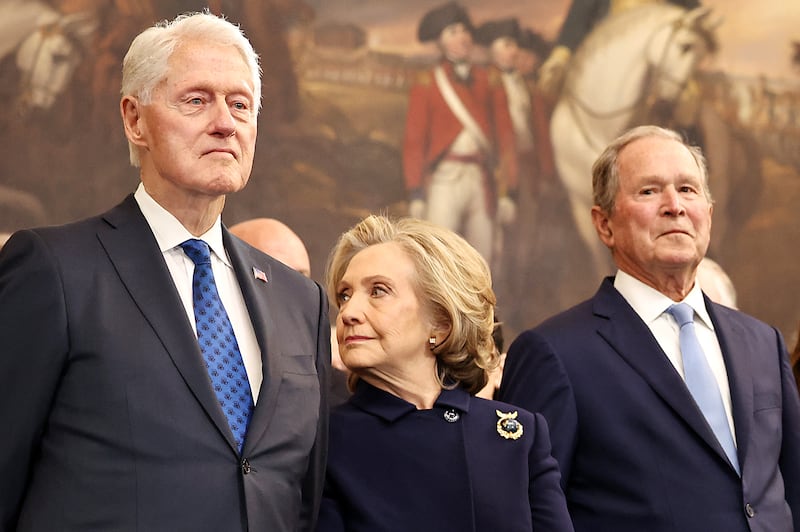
<point x="602" y="225"/>
<point x="130" y="108"/>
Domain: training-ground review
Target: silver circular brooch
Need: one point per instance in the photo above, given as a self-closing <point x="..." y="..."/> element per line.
<point x="451" y="416"/>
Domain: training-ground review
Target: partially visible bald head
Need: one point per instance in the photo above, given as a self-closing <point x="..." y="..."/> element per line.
<point x="715" y="283"/>
<point x="276" y="239"/>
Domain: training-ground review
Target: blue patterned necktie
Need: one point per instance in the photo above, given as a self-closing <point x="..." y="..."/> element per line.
<point x="218" y="343"/>
<point x="701" y="382"/>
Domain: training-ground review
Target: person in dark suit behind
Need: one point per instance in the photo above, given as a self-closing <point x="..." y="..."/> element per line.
<point x="158" y="373"/>
<point x="413" y="449"/>
<point x="615" y="378"/>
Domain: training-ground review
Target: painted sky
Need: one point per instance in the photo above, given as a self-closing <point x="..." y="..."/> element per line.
<point x="755" y="37"/>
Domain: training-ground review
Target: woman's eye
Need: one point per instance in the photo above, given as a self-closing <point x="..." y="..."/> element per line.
<point x="378" y="290"/>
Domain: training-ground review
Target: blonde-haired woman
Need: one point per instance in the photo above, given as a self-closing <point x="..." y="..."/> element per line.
<point x="413" y="449"/>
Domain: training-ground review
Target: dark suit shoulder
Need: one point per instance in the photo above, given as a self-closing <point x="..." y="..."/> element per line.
<point x="584" y="316"/>
<point x="532" y="364"/>
<point x="77" y="242"/>
<point x="89" y="225"/>
<point x="737" y="330"/>
<point x="579" y="317"/>
<point x="571" y="327"/>
<point x="737" y="316"/>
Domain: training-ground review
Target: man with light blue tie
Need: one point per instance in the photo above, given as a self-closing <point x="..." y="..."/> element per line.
<point x="667" y="412"/>
<point x="156" y="372"/>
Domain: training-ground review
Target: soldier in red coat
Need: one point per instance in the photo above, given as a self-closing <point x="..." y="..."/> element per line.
<point x="508" y="45"/>
<point x="459" y="158"/>
<point x="504" y="39"/>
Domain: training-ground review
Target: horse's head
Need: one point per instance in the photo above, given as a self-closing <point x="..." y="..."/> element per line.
<point x="48" y="57"/>
<point x="676" y="49"/>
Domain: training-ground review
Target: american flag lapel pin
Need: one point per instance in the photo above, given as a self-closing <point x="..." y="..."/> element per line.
<point x="260" y="275"/>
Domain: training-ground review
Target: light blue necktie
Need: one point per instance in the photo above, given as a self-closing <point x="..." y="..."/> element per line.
<point x="701" y="382"/>
<point x="218" y="343"/>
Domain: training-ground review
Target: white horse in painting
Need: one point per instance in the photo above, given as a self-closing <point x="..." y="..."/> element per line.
<point x="49" y="46"/>
<point x="628" y="63"/>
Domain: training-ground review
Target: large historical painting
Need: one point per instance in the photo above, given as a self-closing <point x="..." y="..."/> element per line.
<point x="337" y="77"/>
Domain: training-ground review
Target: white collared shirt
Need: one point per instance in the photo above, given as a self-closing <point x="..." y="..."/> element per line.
<point x="170" y="233"/>
<point x="651" y="306"/>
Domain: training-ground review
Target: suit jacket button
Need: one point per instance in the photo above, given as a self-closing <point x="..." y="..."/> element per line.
<point x="749" y="510"/>
<point x="246" y="466"/>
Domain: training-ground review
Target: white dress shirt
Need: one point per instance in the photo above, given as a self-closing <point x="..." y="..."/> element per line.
<point x="651" y="306"/>
<point x="170" y="233"/>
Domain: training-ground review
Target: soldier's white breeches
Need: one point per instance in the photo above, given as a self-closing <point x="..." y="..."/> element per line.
<point x="457" y="200"/>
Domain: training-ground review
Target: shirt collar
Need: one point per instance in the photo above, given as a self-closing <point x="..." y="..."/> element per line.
<point x="650" y="304"/>
<point x="453" y="398"/>
<point x="385" y="405"/>
<point x="170" y="233"/>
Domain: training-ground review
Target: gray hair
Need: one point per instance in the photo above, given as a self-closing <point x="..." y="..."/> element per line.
<point x="147" y="62"/>
<point x="605" y="171"/>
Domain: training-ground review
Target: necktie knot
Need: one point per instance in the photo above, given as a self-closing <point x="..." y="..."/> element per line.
<point x="197" y="251"/>
<point x="682" y="312"/>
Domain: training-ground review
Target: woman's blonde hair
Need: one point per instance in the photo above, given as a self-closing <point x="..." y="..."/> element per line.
<point x="452" y="281"/>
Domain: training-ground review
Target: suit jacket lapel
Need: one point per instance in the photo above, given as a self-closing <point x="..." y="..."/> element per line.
<point x="736" y="347"/>
<point x="132" y="249"/>
<point x="632" y="340"/>
<point x="256" y="294"/>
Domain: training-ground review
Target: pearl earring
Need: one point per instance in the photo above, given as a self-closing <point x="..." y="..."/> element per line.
<point x="432" y="341"/>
